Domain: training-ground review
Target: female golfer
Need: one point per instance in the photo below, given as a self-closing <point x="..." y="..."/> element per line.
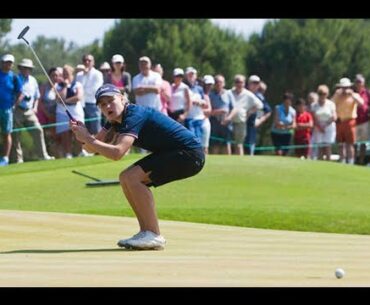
<point x="175" y="154"/>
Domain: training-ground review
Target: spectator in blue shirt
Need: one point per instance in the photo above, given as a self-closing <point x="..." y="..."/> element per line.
<point x="176" y="154"/>
<point x="10" y="89"/>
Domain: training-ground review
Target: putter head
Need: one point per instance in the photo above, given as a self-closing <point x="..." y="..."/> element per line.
<point x="24" y="31"/>
<point x="102" y="183"/>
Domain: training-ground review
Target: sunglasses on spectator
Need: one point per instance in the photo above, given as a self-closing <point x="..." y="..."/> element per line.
<point x="322" y="93"/>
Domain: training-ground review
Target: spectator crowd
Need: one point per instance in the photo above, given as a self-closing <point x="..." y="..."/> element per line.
<point x="226" y="121"/>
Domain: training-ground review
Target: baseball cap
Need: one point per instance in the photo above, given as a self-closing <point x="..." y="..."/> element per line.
<point x="178" y="71"/>
<point x="7" y="57"/>
<point x="254" y="79"/>
<point x="106" y="90"/>
<point x="145" y="58"/>
<point x="190" y="70"/>
<point x="208" y="80"/>
<point x="104" y="66"/>
<point x="117" y="58"/>
<point x="360" y="78"/>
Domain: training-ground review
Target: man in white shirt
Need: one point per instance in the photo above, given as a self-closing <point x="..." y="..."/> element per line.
<point x="91" y="79"/>
<point x="147" y="85"/>
<point x="246" y="102"/>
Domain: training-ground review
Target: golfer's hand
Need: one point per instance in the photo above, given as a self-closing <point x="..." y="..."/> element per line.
<point x="80" y="131"/>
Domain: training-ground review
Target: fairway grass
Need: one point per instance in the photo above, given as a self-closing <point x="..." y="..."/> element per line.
<point x="259" y="192"/>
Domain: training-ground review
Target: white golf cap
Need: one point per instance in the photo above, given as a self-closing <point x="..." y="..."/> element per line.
<point x="26" y="63"/>
<point x="104" y="66"/>
<point x="190" y="70"/>
<point x="254" y="79"/>
<point x="117" y="58"/>
<point x="145" y="58"/>
<point x="7" y="57"/>
<point x="178" y="71"/>
<point x="208" y="80"/>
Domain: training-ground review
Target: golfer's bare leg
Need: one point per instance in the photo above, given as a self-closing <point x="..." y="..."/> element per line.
<point x="142" y="200"/>
<point x="127" y="193"/>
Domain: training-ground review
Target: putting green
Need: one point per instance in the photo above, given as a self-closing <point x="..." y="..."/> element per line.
<point x="54" y="249"/>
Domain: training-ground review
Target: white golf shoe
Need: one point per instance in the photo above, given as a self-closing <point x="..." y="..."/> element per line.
<point x="145" y="240"/>
<point x="124" y="242"/>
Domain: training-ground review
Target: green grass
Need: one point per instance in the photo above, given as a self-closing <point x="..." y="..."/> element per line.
<point x="260" y="192"/>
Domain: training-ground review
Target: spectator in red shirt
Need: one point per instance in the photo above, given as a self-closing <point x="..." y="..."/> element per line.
<point x="362" y="120"/>
<point x="303" y="131"/>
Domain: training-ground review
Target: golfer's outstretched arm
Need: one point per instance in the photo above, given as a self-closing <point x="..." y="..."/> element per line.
<point x="114" y="152"/>
<point x="99" y="136"/>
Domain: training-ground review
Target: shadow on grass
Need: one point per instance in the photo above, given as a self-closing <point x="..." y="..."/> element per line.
<point x="39" y="251"/>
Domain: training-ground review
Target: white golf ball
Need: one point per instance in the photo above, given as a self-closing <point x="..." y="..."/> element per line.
<point x="339" y="273"/>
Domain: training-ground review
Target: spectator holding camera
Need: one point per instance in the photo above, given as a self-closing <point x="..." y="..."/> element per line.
<point x="346" y="101"/>
<point x="25" y="113"/>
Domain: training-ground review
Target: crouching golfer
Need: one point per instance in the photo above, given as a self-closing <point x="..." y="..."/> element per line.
<point x="176" y="154"/>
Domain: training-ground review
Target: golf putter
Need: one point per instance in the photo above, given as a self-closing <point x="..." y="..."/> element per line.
<point x="21" y="36"/>
<point x="96" y="182"/>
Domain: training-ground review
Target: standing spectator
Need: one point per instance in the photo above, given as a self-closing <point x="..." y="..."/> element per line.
<point x="180" y="98"/>
<point x="362" y="121"/>
<point x="72" y="93"/>
<point x="302" y="134"/>
<point x="346" y="101"/>
<point x="324" y="115"/>
<point x="256" y="118"/>
<point x="25" y="113"/>
<point x="195" y="117"/>
<point x="118" y="76"/>
<point x="10" y="89"/>
<point x="283" y="125"/>
<point x="312" y="98"/>
<point x="91" y="79"/>
<point x="208" y="82"/>
<point x="165" y="93"/>
<point x="222" y="102"/>
<point x="245" y="101"/>
<point x="147" y="85"/>
<point x="47" y="109"/>
<point x="105" y="69"/>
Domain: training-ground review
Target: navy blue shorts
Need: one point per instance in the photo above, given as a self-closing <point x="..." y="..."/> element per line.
<point x="172" y="165"/>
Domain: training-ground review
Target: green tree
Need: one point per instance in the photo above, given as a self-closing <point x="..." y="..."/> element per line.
<point x="177" y="43"/>
<point x="5" y="27"/>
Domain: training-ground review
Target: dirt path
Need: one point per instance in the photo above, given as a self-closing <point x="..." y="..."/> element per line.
<point x="52" y="249"/>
